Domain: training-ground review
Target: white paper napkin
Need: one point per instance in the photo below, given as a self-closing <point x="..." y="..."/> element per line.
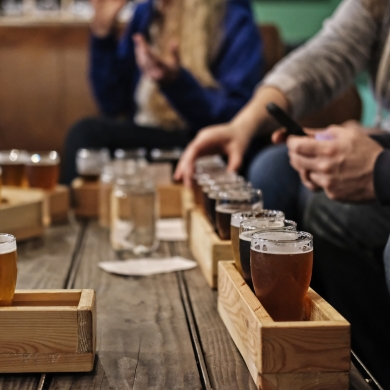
<point x="147" y="266"/>
<point x="171" y="229"/>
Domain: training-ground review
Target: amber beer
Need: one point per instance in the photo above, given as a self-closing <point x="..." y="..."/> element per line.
<point x="281" y="268"/>
<point x="43" y="170"/>
<point x="8" y="268"/>
<point x="238" y="218"/>
<point x="233" y="201"/>
<point x="13" y="165"/>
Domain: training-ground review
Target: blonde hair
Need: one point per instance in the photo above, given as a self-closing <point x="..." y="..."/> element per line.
<point x="196" y="26"/>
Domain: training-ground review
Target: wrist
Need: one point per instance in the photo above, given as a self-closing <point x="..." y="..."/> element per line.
<point x="102" y="28"/>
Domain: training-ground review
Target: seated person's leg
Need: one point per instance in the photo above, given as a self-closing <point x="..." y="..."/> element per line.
<point x="349" y="273"/>
<point x="271" y="172"/>
<point x="114" y="134"/>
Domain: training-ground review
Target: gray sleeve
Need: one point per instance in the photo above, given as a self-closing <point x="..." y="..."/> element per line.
<point x="319" y="71"/>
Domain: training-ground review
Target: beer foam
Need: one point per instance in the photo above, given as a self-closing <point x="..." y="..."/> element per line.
<point x="246" y="236"/>
<point x="258" y="214"/>
<point x="7" y="244"/>
<point x="282" y="242"/>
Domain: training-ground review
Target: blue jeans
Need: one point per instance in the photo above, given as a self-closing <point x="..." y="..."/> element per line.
<point x="282" y="190"/>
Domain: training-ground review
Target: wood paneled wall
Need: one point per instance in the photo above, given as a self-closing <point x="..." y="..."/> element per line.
<point x="43" y="84"/>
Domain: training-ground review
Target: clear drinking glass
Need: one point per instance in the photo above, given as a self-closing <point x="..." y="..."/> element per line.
<point x="90" y="163"/>
<point x="43" y="169"/>
<point x="251" y="226"/>
<point x="13" y="164"/>
<point x="241" y="216"/>
<point x="8" y="268"/>
<point x="281" y="267"/>
<point x="232" y="201"/>
<point x="130" y="154"/>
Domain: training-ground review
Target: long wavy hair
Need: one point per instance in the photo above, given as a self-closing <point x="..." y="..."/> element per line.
<point x="196" y="26"/>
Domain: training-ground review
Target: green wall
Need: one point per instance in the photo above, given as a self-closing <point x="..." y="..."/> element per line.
<point x="297" y="20"/>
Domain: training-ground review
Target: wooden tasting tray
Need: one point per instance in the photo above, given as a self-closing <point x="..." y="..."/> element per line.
<point x="21" y="212"/>
<point x="48" y="331"/>
<point x="311" y="355"/>
<point x="206" y="246"/>
<point x="85" y="197"/>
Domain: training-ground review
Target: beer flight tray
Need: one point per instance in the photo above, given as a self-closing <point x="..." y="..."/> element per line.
<point x="22" y="212"/>
<point x="48" y="331"/>
<point x="206" y="246"/>
<point x="85" y="199"/>
<point x="312" y="354"/>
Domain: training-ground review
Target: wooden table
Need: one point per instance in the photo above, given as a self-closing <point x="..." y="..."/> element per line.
<point x="158" y="332"/>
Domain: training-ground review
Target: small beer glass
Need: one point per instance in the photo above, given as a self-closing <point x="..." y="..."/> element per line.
<point x="242" y="216"/>
<point x="90" y="163"/>
<point x="270" y="220"/>
<point x="281" y="267"/>
<point x="130" y="154"/>
<point x="8" y="268"/>
<point x="13" y="165"/>
<point x="232" y="201"/>
<point x="43" y="169"/>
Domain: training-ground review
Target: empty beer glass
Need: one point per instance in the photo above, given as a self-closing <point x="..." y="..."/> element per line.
<point x="13" y="165"/>
<point x="281" y="267"/>
<point x="43" y="169"/>
<point x="269" y="220"/>
<point x="232" y="201"/>
<point x="8" y="268"/>
<point x="241" y="216"/>
<point x="90" y="163"/>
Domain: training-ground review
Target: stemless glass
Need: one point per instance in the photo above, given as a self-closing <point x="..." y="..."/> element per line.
<point x="43" y="169"/>
<point x="231" y="201"/>
<point x="251" y="226"/>
<point x="13" y="165"/>
<point x="242" y="216"/>
<point x="281" y="267"/>
<point x="130" y="154"/>
<point x="8" y="268"/>
<point x="90" y="163"/>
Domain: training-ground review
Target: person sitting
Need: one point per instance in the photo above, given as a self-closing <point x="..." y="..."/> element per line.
<point x="179" y="66"/>
<point x="350" y="219"/>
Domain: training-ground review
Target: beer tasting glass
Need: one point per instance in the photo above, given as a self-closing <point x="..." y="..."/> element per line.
<point x="13" y="165"/>
<point x="281" y="267"/>
<point x="130" y="154"/>
<point x="8" y="268"/>
<point x="269" y="221"/>
<point x="232" y="201"/>
<point x="43" y="169"/>
<point x="224" y="181"/>
<point x="242" y="216"/>
<point x="90" y="163"/>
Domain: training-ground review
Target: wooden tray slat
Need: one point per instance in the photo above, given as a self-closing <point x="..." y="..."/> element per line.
<point x="285" y="355"/>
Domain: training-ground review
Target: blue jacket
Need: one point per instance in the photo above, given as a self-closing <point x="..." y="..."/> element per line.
<point x="237" y="68"/>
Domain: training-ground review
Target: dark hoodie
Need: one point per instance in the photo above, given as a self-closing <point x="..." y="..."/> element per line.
<point x="237" y="69"/>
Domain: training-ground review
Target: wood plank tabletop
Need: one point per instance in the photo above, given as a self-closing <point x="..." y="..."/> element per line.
<point x="43" y="263"/>
<point x="158" y="332"/>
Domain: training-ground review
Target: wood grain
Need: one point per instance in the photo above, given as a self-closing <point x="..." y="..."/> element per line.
<point x="143" y="340"/>
<point x="58" y="204"/>
<point x="44" y="76"/>
<point x="207" y="248"/>
<point x="226" y="368"/>
<point x="42" y="263"/>
<point x="304" y="350"/>
<point x="21" y="212"/>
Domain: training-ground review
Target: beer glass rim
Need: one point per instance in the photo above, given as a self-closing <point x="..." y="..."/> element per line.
<point x="229" y="194"/>
<point x="251" y="223"/>
<point x="43" y="157"/>
<point x="241" y="215"/>
<point x="124" y="154"/>
<point x="300" y="236"/>
<point x="20" y="156"/>
<point x="87" y="152"/>
<point x="7" y="243"/>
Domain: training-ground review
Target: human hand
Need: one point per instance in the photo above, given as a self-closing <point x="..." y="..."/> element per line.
<point x="152" y="65"/>
<point x="343" y="166"/>
<point x="223" y="139"/>
<point x="106" y="12"/>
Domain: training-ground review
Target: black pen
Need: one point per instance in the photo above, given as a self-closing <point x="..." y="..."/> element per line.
<point x="285" y="120"/>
